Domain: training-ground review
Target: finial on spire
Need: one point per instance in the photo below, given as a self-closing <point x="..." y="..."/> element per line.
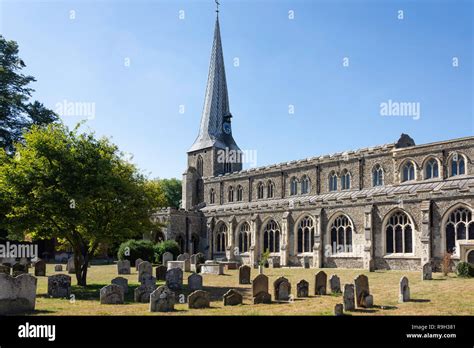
<point x="217" y="6"/>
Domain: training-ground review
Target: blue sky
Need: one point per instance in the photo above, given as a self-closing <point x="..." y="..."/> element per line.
<point x="282" y="62"/>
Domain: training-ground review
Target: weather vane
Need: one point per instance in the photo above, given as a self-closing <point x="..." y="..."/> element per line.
<point x="217" y="6"/>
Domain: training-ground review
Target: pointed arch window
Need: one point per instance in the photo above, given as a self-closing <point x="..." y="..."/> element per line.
<point x="377" y="175"/>
<point x="408" y="171"/>
<point x="399" y="234"/>
<point x="305" y="185"/>
<point x="333" y="181"/>
<point x="431" y="169"/>
<point x="227" y="166"/>
<point x="293" y="186"/>
<point x="240" y="193"/>
<point x="200" y="165"/>
<point x="305" y="235"/>
<point x="345" y="180"/>
<point x="457" y="165"/>
<point x="270" y="189"/>
<point x="244" y="238"/>
<point x="271" y="237"/>
<point x="231" y="194"/>
<point x="221" y="238"/>
<point x="180" y="240"/>
<point x="212" y="196"/>
<point x="341" y="234"/>
<point x="260" y="190"/>
<point x="459" y="227"/>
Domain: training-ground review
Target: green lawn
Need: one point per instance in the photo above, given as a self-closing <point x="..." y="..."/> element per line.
<point x="440" y="296"/>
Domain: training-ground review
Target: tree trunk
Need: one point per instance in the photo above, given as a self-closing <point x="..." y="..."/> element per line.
<point x="81" y="262"/>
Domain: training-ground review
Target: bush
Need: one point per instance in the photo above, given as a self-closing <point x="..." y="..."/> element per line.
<point x="137" y="249"/>
<point x="463" y="269"/>
<point x="167" y="245"/>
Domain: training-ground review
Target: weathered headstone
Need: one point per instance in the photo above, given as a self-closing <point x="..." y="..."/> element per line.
<point x="5" y="269"/>
<point x="302" y="288"/>
<point x="122" y="282"/>
<point x="167" y="256"/>
<point x="143" y="292"/>
<point x="180" y="257"/>
<point x="148" y="280"/>
<point x="111" y="294"/>
<point x="426" y="272"/>
<point x="58" y="268"/>
<point x="137" y="263"/>
<point x="17" y="294"/>
<point x="199" y="299"/>
<point x="123" y="267"/>
<point x="259" y="284"/>
<point x="369" y="301"/>
<point x="145" y="269"/>
<point x="282" y="289"/>
<point x="404" y="294"/>
<point x="348" y="297"/>
<point x="174" y="279"/>
<point x="59" y="286"/>
<point x="161" y="272"/>
<point x="320" y="283"/>
<point x="40" y="268"/>
<point x="71" y="268"/>
<point x="335" y="284"/>
<point x="212" y="268"/>
<point x="176" y="264"/>
<point x="262" y="297"/>
<point x="361" y="285"/>
<point x="244" y="274"/>
<point x="162" y="300"/>
<point x="338" y="310"/>
<point x="19" y="269"/>
<point x="232" y="298"/>
<point x="194" y="282"/>
<point x="186" y="256"/>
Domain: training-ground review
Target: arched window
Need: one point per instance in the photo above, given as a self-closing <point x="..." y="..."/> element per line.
<point x="231" y="194"/>
<point x="221" y="238"/>
<point x="270" y="189"/>
<point x="408" y="171"/>
<point x="260" y="189"/>
<point x="341" y="234"/>
<point x="399" y="234"/>
<point x="377" y="175"/>
<point x="333" y="181"/>
<point x="227" y="167"/>
<point x="180" y="240"/>
<point x="293" y="186"/>
<point x="240" y="193"/>
<point x="200" y="165"/>
<point x="460" y="226"/>
<point x="345" y="180"/>
<point x="305" y="188"/>
<point x="431" y="169"/>
<point x="244" y="238"/>
<point x="305" y="235"/>
<point x="457" y="165"/>
<point x="271" y="237"/>
<point x="212" y="196"/>
<point x="195" y="243"/>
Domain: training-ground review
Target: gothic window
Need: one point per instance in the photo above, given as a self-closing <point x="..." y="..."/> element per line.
<point x="200" y="165"/>
<point x="293" y="186"/>
<point x="212" y="196"/>
<point x="333" y="181"/>
<point x="460" y="226"/>
<point x="431" y="169"/>
<point x="221" y="238"/>
<point x="408" y="171"/>
<point x="260" y="189"/>
<point x="457" y="165"/>
<point x="231" y="194"/>
<point x="399" y="234"/>
<point x="244" y="238"/>
<point x="305" y="235"/>
<point x="180" y="241"/>
<point x="345" y="180"/>
<point x="341" y="234"/>
<point x="195" y="243"/>
<point x="271" y="237"/>
<point x="227" y="167"/>
<point x="270" y="189"/>
<point x="305" y="188"/>
<point x="377" y="175"/>
<point x="240" y="193"/>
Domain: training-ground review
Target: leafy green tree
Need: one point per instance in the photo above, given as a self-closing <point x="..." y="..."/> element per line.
<point x="71" y="186"/>
<point x="17" y="113"/>
<point x="172" y="191"/>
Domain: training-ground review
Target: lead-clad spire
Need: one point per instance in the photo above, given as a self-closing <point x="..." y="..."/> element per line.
<point x="216" y="110"/>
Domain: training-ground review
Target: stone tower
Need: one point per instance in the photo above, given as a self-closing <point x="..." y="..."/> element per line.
<point x="214" y="151"/>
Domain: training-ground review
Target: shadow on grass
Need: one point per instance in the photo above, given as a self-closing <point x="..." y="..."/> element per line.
<point x="419" y="300"/>
<point x="90" y="292"/>
<point x="386" y="308"/>
<point x="363" y="310"/>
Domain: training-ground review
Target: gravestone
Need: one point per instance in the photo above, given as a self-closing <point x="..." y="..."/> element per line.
<point x="137" y="263"/>
<point x="338" y="310"/>
<point x="161" y="272"/>
<point x="5" y="269"/>
<point x="282" y="289"/>
<point x="302" y="288"/>
<point x="335" y="284"/>
<point x="369" y="301"/>
<point x="174" y="279"/>
<point x="59" y="286"/>
<point x="111" y="294"/>
<point x="40" y="268"/>
<point x="404" y="295"/>
<point x="194" y="282"/>
<point x="162" y="300"/>
<point x="148" y="280"/>
<point x="187" y="265"/>
<point x="199" y="299"/>
<point x="244" y="274"/>
<point x="19" y="269"/>
<point x="212" y="268"/>
<point x="232" y="298"/>
<point x="123" y="267"/>
<point x="180" y="257"/>
<point x="262" y="297"/>
<point x="259" y="284"/>
<point x="58" y="268"/>
<point x="348" y="297"/>
<point x="361" y="285"/>
<point x="145" y="269"/>
<point x="427" y="272"/>
<point x="143" y="292"/>
<point x="167" y="256"/>
<point x="17" y="294"/>
<point x="70" y="267"/>
<point x="320" y="283"/>
<point x="122" y="282"/>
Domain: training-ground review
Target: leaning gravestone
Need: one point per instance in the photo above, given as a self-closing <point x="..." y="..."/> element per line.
<point x="162" y="300"/>
<point x="19" y="269"/>
<point x="404" y="294"/>
<point x="167" y="256"/>
<point x="174" y="279"/>
<point x="260" y="284"/>
<point x="137" y="263"/>
<point x="122" y="282"/>
<point x="282" y="289"/>
<point x="338" y="310"/>
<point x="361" y="285"/>
<point x="335" y="284"/>
<point x="40" y="268"/>
<point x="143" y="292"/>
<point x="320" y="283"/>
<point x="232" y="298"/>
<point x="302" y="288"/>
<point x="161" y="272"/>
<point x="111" y="294"/>
<point x="59" y="286"/>
<point x="145" y="269"/>
<point x="194" y="282"/>
<point x="17" y="294"/>
<point x="199" y="299"/>
<point x="348" y="297"/>
<point x="5" y="269"/>
<point x="58" y="268"/>
<point x="244" y="274"/>
<point x="427" y="272"/>
<point x="123" y="267"/>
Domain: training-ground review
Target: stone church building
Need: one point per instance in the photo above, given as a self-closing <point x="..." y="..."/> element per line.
<point x="394" y="206"/>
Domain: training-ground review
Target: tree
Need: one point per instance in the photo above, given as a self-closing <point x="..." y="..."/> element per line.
<point x="17" y="113"/>
<point x="68" y="185"/>
<point x="172" y="192"/>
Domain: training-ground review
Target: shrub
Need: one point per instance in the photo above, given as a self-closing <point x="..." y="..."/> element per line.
<point x="137" y="249"/>
<point x="167" y="245"/>
<point x="446" y="265"/>
<point x="464" y="269"/>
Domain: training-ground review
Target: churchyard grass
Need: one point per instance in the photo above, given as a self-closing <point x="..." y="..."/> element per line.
<point x="444" y="295"/>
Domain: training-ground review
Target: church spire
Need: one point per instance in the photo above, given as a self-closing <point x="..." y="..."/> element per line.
<point x="215" y="127"/>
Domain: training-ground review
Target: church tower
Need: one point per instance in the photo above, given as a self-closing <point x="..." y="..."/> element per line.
<point x="214" y="151"/>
